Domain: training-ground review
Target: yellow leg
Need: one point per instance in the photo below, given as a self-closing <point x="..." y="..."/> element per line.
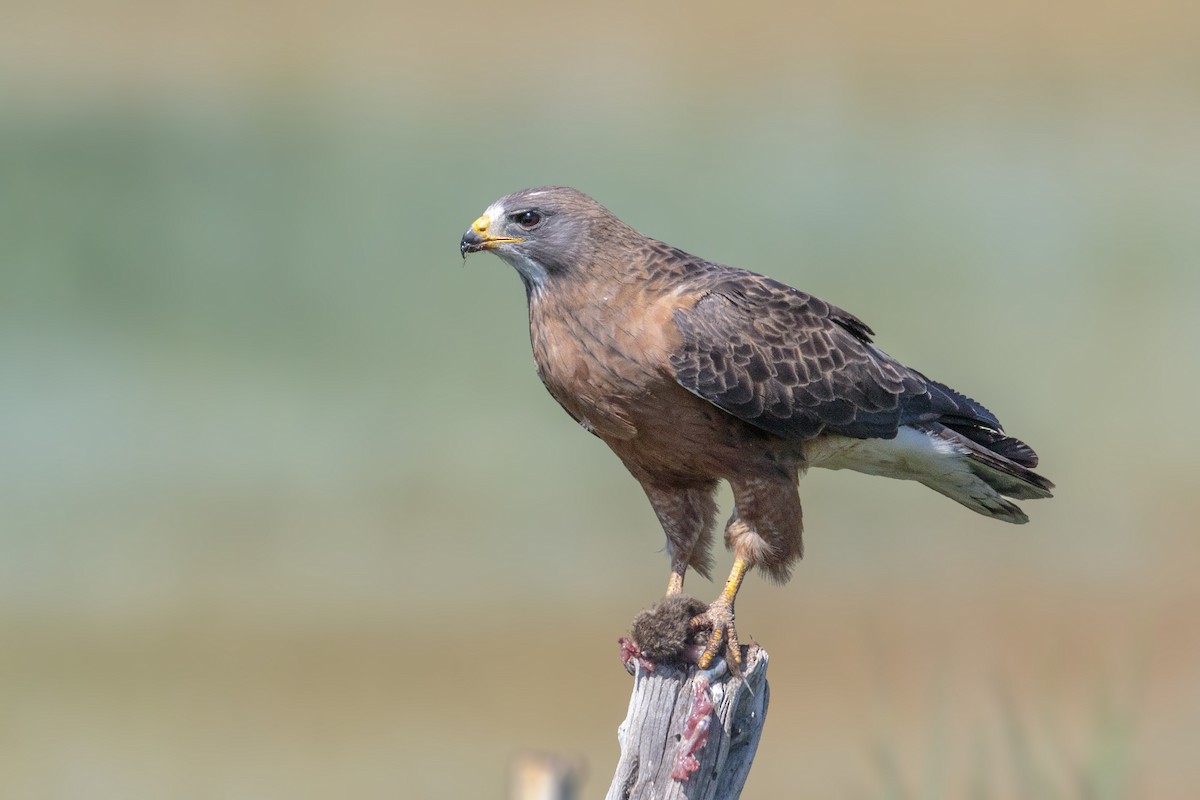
<point x="675" y="583"/>
<point x="719" y="617"/>
<point x="734" y="581"/>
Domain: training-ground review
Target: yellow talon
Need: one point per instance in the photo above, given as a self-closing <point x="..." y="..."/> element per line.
<point x="719" y="617"/>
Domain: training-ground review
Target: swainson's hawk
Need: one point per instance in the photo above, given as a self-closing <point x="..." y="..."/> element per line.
<point x="695" y="372"/>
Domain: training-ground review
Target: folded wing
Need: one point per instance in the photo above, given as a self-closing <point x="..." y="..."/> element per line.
<point x="796" y="366"/>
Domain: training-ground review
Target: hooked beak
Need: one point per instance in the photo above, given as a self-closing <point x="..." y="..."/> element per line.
<point x="478" y="237"/>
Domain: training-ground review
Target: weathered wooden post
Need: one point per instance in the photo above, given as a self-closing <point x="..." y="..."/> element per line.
<point x="689" y="733"/>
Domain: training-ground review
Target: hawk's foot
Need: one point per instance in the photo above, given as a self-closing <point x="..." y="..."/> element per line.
<point x="722" y="637"/>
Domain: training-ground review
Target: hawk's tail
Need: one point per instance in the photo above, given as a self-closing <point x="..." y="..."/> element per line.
<point x="998" y="467"/>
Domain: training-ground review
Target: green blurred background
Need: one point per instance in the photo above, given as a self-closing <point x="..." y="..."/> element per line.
<point x="284" y="511"/>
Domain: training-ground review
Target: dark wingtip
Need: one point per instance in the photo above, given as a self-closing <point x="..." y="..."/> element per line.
<point x="995" y="440"/>
<point x="1013" y="449"/>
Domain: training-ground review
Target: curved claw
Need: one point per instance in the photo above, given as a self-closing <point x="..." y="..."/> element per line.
<point x="718" y="618"/>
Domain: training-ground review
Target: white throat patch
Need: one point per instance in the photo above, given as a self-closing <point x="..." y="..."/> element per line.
<point x="533" y="272"/>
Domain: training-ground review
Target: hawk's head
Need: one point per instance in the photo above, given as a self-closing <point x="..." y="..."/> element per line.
<point x="542" y="232"/>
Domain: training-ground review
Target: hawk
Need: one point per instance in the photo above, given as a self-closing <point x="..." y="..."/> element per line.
<point x="694" y="372"/>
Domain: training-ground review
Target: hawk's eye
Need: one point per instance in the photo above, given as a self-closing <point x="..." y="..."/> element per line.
<point x="527" y="219"/>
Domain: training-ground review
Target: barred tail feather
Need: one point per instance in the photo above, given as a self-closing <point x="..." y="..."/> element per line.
<point x="960" y="465"/>
<point x="992" y="463"/>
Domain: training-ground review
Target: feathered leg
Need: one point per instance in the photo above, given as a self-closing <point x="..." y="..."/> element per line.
<point x="687" y="515"/>
<point x="765" y="531"/>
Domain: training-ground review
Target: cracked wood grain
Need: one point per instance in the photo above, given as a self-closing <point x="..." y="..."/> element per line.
<point x="655" y="740"/>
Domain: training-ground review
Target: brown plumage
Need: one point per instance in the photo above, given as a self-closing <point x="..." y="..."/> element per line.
<point x="695" y="372"/>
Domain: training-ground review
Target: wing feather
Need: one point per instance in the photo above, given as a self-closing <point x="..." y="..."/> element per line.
<point x="796" y="366"/>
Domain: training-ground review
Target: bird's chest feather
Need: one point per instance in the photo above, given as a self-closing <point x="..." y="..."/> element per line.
<point x="607" y="362"/>
<point x="601" y="359"/>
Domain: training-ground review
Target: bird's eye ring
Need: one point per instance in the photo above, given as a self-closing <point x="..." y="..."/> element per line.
<point x="527" y="219"/>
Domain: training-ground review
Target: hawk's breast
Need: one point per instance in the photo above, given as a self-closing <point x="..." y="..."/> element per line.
<point x="582" y="359"/>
